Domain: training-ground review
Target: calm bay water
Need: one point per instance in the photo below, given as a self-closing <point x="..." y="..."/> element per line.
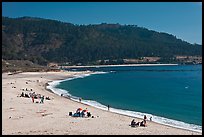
<point x="172" y="92"/>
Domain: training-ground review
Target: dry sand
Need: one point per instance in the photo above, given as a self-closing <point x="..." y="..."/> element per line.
<point x="21" y="116"/>
<point x="122" y="65"/>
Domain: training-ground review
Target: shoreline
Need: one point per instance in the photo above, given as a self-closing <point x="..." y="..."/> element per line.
<point x="60" y="106"/>
<point x="116" y="110"/>
<point x="123" y="65"/>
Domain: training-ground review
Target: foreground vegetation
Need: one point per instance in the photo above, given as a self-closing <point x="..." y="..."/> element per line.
<point x="16" y="66"/>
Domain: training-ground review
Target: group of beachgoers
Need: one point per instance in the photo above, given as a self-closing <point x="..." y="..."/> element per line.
<point x="31" y="94"/>
<point x="34" y="96"/>
<point x="81" y="113"/>
<point x="143" y="123"/>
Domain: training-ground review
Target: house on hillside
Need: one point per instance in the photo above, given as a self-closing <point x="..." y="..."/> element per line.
<point x="52" y="65"/>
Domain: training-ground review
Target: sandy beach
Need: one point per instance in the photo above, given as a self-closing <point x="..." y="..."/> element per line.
<point x="21" y="116"/>
<point x="123" y="65"/>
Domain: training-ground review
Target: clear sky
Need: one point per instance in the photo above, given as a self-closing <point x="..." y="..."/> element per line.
<point x="182" y="19"/>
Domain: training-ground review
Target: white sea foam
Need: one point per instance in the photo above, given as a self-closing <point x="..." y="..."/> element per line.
<point x="160" y="120"/>
<point x="157" y="119"/>
<point x="52" y="87"/>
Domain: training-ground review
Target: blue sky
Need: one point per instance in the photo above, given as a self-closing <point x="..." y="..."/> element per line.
<point x="182" y="19"/>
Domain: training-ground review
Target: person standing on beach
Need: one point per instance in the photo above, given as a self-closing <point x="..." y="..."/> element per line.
<point x="42" y="99"/>
<point x="145" y="117"/>
<point x="32" y="98"/>
<point x="150" y="118"/>
<point x="108" y="107"/>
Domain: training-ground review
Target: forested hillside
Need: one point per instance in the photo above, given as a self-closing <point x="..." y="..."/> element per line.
<point x="42" y="41"/>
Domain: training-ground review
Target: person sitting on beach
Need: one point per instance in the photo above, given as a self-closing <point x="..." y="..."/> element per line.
<point x="75" y="115"/>
<point x="48" y="98"/>
<point x="133" y="123"/>
<point x="78" y="112"/>
<point x="143" y="123"/>
<point x="35" y="96"/>
<point x="83" y="113"/>
<point x="88" y="114"/>
<point x="32" y="94"/>
<point x="26" y="95"/>
<point x="22" y="94"/>
<point x="38" y="96"/>
<point x="70" y="113"/>
<point x="137" y="124"/>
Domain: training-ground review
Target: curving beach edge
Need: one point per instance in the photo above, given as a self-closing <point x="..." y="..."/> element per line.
<point x="21" y="116"/>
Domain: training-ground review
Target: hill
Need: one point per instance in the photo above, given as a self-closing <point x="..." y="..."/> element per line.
<point x="42" y="41"/>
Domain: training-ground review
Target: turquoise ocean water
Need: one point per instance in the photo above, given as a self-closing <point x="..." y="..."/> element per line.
<point x="172" y="95"/>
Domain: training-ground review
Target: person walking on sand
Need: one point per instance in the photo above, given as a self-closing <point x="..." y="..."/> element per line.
<point x="108" y="107"/>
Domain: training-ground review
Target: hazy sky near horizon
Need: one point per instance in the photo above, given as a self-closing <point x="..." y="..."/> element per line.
<point x="182" y="19"/>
